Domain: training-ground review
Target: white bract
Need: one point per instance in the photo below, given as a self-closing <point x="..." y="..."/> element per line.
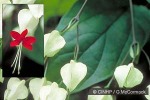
<point x="53" y="42"/>
<point x="2" y="2"/>
<point x="73" y="73"/>
<point x="7" y="11"/>
<point x="16" y="89"/>
<point x="37" y="10"/>
<point x="1" y="78"/>
<point x="128" y="76"/>
<point x="35" y="85"/>
<point x="23" y="1"/>
<point x="27" y="21"/>
<point x="100" y="97"/>
<point x="52" y="92"/>
<point x="148" y="96"/>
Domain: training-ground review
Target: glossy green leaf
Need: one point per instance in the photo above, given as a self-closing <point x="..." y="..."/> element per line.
<point x="105" y="39"/>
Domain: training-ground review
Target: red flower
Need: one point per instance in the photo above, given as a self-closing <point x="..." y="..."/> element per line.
<point x="21" y="38"/>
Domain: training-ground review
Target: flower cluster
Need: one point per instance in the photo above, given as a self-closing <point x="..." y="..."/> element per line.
<point x="42" y="89"/>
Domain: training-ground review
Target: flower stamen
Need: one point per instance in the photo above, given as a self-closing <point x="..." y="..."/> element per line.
<point x="17" y="60"/>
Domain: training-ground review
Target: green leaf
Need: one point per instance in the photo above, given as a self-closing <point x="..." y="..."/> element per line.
<point x="56" y="7"/>
<point x="105" y="39"/>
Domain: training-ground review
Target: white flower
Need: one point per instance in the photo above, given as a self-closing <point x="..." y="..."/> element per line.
<point x="53" y="42"/>
<point x="1" y="78"/>
<point x="148" y="96"/>
<point x="52" y="92"/>
<point x="35" y="85"/>
<point x="37" y="10"/>
<point x="128" y="76"/>
<point x="73" y="73"/>
<point x="16" y="89"/>
<point x="23" y="1"/>
<point x="100" y="97"/>
<point x="27" y="21"/>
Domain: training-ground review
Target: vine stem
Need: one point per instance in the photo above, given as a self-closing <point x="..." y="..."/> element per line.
<point x="75" y="19"/>
<point x="46" y="65"/>
<point x="68" y="96"/>
<point x="132" y="21"/>
<point x="76" y="51"/>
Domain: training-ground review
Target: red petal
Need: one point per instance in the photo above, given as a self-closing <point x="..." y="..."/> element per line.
<point x="28" y="46"/>
<point x="14" y="43"/>
<point x="15" y="35"/>
<point x="29" y="40"/>
<point x="24" y="33"/>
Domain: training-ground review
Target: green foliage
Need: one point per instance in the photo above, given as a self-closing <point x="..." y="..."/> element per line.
<point x="105" y="39"/>
<point x="56" y="7"/>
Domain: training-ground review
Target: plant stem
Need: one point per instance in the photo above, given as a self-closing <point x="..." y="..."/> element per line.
<point x="46" y="65"/>
<point x="109" y="83"/>
<point x="75" y="19"/>
<point x="132" y="21"/>
<point x="68" y="96"/>
<point x="76" y="51"/>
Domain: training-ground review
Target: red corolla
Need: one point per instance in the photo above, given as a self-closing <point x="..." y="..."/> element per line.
<point x="26" y="41"/>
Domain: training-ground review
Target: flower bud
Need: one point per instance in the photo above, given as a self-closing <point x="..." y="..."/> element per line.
<point x="134" y="50"/>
